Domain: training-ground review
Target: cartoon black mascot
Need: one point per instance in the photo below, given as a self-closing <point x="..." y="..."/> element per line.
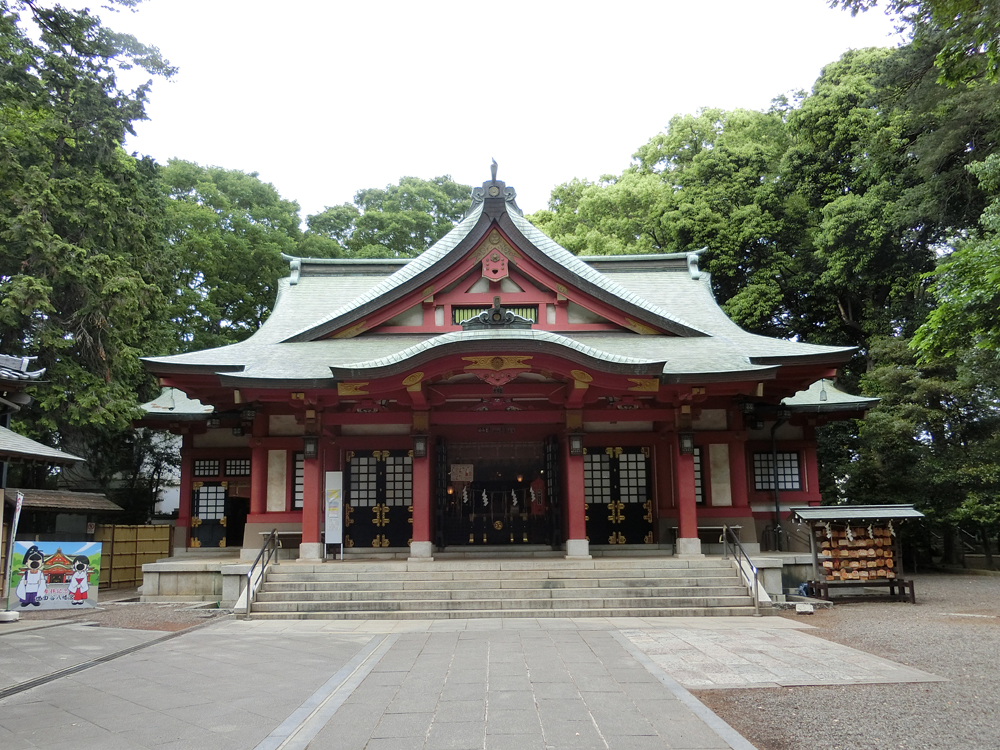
<point x="78" y="583"/>
<point x="32" y="585"/>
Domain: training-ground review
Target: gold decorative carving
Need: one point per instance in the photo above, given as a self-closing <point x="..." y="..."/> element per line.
<point x="224" y="485"/>
<point x="413" y="378"/>
<point x="195" y="541"/>
<point x="639" y="328"/>
<point x="498" y="525"/>
<point x="645" y="451"/>
<point x="616" y="538"/>
<point x="582" y="376"/>
<point x="616" y="508"/>
<point x="648" y="517"/>
<point x="645" y="385"/>
<point x="348" y="542"/>
<point x="498" y="363"/>
<point x="222" y="542"/>
<point x="222" y="521"/>
<point x="195" y="522"/>
<point x="348" y="456"/>
<point x="648" y="539"/>
<point x="429" y="291"/>
<point x="561" y="288"/>
<point x="472" y="539"/>
<point x="613" y="452"/>
<point x="351" y="389"/>
<point x="380" y="541"/>
<point x="380" y="512"/>
<point x="348" y="510"/>
<point x="197" y="485"/>
<point x="354" y="330"/>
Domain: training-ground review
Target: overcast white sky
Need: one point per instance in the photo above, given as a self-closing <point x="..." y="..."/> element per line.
<point x="323" y="98"/>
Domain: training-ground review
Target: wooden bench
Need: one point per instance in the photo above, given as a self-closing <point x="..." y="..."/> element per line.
<point x="899" y="589"/>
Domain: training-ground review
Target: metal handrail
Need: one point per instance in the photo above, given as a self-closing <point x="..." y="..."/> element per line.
<point x="739" y="552"/>
<point x="275" y="543"/>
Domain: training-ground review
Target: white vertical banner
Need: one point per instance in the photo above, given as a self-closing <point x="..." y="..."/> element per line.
<point x="334" y="507"/>
<point x="9" y="557"/>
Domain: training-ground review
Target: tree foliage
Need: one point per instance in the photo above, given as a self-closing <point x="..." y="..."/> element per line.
<point x="227" y="231"/>
<point x="970" y="30"/>
<point x="82" y="284"/>
<point x="399" y="221"/>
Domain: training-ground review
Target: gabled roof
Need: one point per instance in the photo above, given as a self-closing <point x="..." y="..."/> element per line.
<point x="20" y="448"/>
<point x="823" y="396"/>
<point x="439" y="258"/>
<point x="294" y="347"/>
<point x="63" y="500"/>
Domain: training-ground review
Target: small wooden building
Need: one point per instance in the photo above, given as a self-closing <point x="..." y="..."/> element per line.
<point x="498" y="390"/>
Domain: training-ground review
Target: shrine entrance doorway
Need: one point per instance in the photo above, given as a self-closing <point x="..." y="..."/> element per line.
<point x="494" y="493"/>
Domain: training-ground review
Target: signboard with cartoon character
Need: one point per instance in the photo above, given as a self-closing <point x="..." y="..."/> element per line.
<point x="54" y="575"/>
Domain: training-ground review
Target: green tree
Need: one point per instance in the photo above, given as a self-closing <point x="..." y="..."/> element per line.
<point x="970" y="28"/>
<point x="933" y="441"/>
<point x="399" y="221"/>
<point x="83" y="286"/>
<point x="966" y="285"/>
<point x="227" y="231"/>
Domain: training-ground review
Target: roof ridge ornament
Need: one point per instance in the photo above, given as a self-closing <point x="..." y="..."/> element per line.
<point x="492" y="189"/>
<point x="692" y="260"/>
<point x="496" y="317"/>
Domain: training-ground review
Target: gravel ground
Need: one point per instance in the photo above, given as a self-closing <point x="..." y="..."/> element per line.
<point x="120" y="608"/>
<point x="953" y="631"/>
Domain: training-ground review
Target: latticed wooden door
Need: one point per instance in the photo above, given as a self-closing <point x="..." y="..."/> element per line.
<point x="617" y="490"/>
<point x="379" y="508"/>
<point x="208" y="514"/>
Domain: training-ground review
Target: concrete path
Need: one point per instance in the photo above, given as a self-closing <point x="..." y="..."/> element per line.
<point x="456" y="684"/>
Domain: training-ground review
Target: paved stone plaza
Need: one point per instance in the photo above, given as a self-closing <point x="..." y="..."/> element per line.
<point x="487" y="683"/>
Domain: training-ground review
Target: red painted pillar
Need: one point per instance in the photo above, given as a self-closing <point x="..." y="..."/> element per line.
<point x="182" y="533"/>
<point x="421" y="546"/>
<point x="687" y="504"/>
<point x="258" y="465"/>
<point x="738" y="472"/>
<point x="576" y="518"/>
<point x="258" y="477"/>
<point x="312" y="500"/>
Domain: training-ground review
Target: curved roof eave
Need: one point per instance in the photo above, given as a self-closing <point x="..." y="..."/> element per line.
<point x="426" y="351"/>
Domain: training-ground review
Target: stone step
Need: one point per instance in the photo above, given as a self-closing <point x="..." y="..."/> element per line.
<point x="608" y="563"/>
<point x="510" y="613"/>
<point x="487" y="604"/>
<point x="518" y="583"/>
<point x="280" y="574"/>
<point x="484" y="594"/>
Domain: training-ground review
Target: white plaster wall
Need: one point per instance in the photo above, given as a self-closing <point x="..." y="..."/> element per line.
<point x="220" y="438"/>
<point x="284" y="425"/>
<point x="718" y="458"/>
<point x="277" y="469"/>
<point x="785" y="432"/>
<point x="711" y="419"/>
<point x="375" y="429"/>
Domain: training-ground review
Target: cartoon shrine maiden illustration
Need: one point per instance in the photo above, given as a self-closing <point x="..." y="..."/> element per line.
<point x="32" y="585"/>
<point x="78" y="583"/>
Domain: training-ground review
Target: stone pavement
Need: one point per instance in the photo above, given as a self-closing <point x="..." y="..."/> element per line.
<point x="486" y="684"/>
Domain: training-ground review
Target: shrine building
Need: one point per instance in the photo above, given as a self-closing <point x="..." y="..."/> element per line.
<point x="498" y="391"/>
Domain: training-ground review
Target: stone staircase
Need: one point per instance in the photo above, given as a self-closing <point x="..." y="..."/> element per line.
<point x="602" y="587"/>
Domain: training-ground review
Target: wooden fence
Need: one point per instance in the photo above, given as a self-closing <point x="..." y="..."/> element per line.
<point x="126" y="549"/>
